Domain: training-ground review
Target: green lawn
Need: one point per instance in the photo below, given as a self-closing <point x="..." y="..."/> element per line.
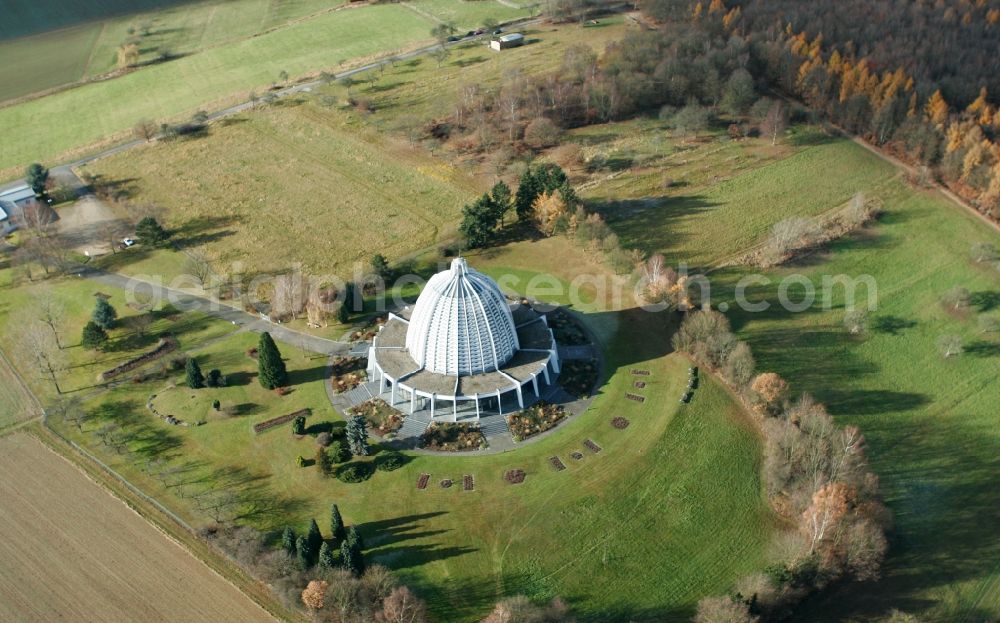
<point x="83" y="40"/>
<point x="670" y="510"/>
<point x="931" y="424"/>
<point x="206" y="80"/>
<point x="726" y="195"/>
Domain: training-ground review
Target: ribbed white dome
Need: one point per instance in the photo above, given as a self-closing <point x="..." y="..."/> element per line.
<point x="461" y="324"/>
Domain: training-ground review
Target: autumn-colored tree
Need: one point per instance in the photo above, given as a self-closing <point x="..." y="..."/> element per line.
<point x="770" y="389"/>
<point x="723" y="610"/>
<point x="547" y="209"/>
<point x="937" y="109"/>
<point x="829" y="506"/>
<point x="128" y="55"/>
<point x="314" y="594"/>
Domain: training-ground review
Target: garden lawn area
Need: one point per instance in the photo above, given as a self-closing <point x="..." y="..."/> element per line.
<point x="353" y="193"/>
<point x="67" y="43"/>
<point x="670" y="509"/>
<point x="41" y="129"/>
<point x="76" y="296"/>
<point x="932" y="423"/>
<point x="726" y="195"/>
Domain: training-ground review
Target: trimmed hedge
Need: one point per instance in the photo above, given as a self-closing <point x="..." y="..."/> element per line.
<point x="165" y="346"/>
<point x="260" y="427"/>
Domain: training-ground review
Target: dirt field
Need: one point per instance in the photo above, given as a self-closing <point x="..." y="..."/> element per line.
<point x="15" y="403"/>
<point x="71" y="551"/>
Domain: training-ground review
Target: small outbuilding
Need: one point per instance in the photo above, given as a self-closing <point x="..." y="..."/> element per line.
<point x="511" y="40"/>
<point x="13" y="203"/>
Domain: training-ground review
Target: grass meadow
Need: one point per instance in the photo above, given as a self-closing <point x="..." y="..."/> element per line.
<point x="41" y="130"/>
<point x="51" y="44"/>
<point x="295" y="172"/>
<point x="930" y="422"/>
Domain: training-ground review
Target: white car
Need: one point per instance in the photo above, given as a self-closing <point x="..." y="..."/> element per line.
<point x="127" y="242"/>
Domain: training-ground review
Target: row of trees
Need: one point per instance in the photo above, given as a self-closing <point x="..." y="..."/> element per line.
<point x="815" y="473"/>
<point x="921" y="89"/>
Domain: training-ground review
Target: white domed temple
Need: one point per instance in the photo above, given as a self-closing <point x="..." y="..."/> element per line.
<point x="462" y="343"/>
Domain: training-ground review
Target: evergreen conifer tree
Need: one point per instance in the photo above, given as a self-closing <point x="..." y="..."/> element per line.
<point x="288" y="540"/>
<point x="314" y="537"/>
<point x="270" y="366"/>
<point x="337" y="531"/>
<point x="302" y="553"/>
<point x="104" y="314"/>
<point x="357" y="435"/>
<point x="326" y="558"/>
<point x="93" y="336"/>
<point x="192" y="373"/>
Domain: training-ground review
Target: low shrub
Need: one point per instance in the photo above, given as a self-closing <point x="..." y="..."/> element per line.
<point x="354" y="472"/>
<point x="382" y="419"/>
<point x="339" y="452"/>
<point x="532" y="421"/>
<point x="215" y="378"/>
<point x="452" y="437"/>
<point x="324" y="439"/>
<point x="389" y="461"/>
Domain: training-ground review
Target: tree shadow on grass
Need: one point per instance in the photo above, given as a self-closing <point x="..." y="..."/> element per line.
<point x="308" y="375"/>
<point x="985" y="301"/>
<point x="982" y="348"/>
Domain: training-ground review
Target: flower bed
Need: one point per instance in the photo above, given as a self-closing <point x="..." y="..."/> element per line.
<point x="620" y="423"/>
<point x="593" y="447"/>
<point x="578" y="377"/>
<point x="637" y="372"/>
<point x="639" y="384"/>
<point x="423" y="480"/>
<point x="514" y="476"/>
<point x="369" y="331"/>
<point x="534" y="420"/>
<point x="468" y="483"/>
<point x="557" y="463"/>
<point x="163" y="347"/>
<point x="452" y="437"/>
<point x="260" y="427"/>
<point x="446" y="483"/>
<point x="382" y="418"/>
<point x="566" y="329"/>
<point x="347" y="373"/>
<point x="635" y="397"/>
<point x="576" y="455"/>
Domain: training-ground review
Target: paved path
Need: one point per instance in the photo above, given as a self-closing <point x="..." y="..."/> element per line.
<point x="186" y="301"/>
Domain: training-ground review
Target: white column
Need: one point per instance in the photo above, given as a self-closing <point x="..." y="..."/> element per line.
<point x="520" y="397"/>
<point x="499" y="404"/>
<point x="392" y="399"/>
<point x="381" y="382"/>
<point x="432" y="407"/>
<point x="413" y="400"/>
<point x="534" y="383"/>
<point x="477" y="407"/>
<point x="545" y="371"/>
<point x="454" y="409"/>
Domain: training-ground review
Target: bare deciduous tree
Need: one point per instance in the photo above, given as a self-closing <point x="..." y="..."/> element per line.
<point x="38" y="347"/>
<point x="402" y="606"/>
<point x="950" y="345"/>
<point x="50" y="312"/>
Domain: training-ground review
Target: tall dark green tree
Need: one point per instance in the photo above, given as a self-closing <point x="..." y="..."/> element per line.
<point x="37" y="176"/>
<point x="501" y="200"/>
<point x="357" y="435"/>
<point x="302" y="552"/>
<point x="94" y="336"/>
<point x="104" y="314"/>
<point x="288" y="541"/>
<point x="354" y="538"/>
<point x="337" y="531"/>
<point x="528" y="190"/>
<point x="351" y="556"/>
<point x="149" y="231"/>
<point x="192" y="374"/>
<point x="314" y="536"/>
<point x="544" y="178"/>
<point x="478" y="222"/>
<point x="270" y="366"/>
<point x="326" y="558"/>
<point x="380" y="266"/>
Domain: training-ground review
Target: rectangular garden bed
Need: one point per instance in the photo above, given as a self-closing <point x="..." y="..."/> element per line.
<point x="593" y="447"/>
<point x="346" y="373"/>
<point x="635" y="397"/>
<point x="260" y="427"/>
<point x="640" y="372"/>
<point x="423" y="480"/>
<point x="557" y="463"/>
<point x="468" y="483"/>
